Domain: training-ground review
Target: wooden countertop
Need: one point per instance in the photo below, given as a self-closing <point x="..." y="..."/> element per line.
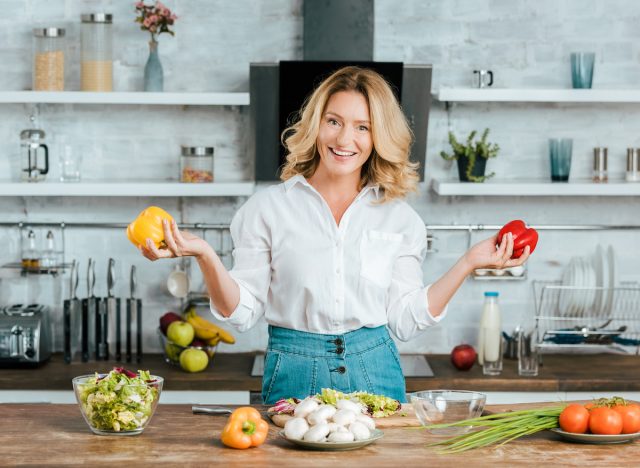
<point x="52" y="434"/>
<point x="566" y="373"/>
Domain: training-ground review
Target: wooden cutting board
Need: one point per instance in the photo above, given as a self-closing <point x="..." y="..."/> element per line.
<point x="406" y="417"/>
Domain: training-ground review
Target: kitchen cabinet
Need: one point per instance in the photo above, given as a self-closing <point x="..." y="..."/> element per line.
<point x="176" y="436"/>
<point x="509" y="188"/>
<point x="162" y="99"/>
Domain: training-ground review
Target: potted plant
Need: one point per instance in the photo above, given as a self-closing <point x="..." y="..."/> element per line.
<point x="472" y="157"/>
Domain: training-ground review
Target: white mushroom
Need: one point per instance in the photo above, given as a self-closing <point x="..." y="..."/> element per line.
<point x="344" y="417"/>
<point x="322" y="414"/>
<point x="333" y="427"/>
<point x="359" y="430"/>
<point x="305" y="407"/>
<point x="350" y="405"/>
<point x="317" y="433"/>
<point x="340" y="436"/>
<point x="367" y="421"/>
<point x="295" y="428"/>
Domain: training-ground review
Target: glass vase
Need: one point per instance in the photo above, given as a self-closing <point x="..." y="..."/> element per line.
<point x="153" y="74"/>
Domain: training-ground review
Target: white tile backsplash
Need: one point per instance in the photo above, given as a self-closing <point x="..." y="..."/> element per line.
<point x="526" y="44"/>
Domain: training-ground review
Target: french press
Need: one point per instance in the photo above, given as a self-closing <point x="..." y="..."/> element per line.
<point x="32" y="146"/>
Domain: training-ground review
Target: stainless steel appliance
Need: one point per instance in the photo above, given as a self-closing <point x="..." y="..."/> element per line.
<point x="25" y="335"/>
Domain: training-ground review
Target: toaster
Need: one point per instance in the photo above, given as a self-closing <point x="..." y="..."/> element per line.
<point x="25" y="335"/>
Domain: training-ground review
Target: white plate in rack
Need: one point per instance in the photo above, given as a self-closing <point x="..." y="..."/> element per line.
<point x="611" y="260"/>
<point x="564" y="301"/>
<point x="598" y="263"/>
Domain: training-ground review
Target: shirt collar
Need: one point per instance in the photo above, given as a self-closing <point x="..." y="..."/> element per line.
<point x="299" y="178"/>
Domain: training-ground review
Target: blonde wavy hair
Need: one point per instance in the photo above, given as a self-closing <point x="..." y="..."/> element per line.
<point x="389" y="165"/>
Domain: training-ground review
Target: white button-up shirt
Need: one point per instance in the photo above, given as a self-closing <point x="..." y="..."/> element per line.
<point x="293" y="263"/>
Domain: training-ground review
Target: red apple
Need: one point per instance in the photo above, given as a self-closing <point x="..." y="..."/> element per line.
<point x="198" y="343"/>
<point x="463" y="357"/>
<point x="167" y="319"/>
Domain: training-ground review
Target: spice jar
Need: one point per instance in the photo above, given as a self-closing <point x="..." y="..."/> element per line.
<point x="196" y="164"/>
<point x="633" y="165"/>
<point x="96" y="67"/>
<point x="600" y="172"/>
<point x="48" y="59"/>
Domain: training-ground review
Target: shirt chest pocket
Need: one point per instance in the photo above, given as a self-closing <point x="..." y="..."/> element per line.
<point x="378" y="252"/>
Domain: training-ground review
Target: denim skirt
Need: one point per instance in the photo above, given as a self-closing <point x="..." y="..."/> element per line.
<point x="299" y="364"/>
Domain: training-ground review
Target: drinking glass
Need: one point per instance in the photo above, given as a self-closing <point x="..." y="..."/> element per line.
<point x="527" y="353"/>
<point x="70" y="161"/>
<point x="560" y="150"/>
<point x="582" y="69"/>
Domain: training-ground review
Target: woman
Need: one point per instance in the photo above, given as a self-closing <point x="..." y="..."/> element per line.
<point x="333" y="256"/>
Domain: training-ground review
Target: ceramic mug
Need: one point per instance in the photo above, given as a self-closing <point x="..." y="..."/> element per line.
<point x="178" y="283"/>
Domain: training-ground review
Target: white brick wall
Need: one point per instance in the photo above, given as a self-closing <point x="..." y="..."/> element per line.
<point x="526" y="44"/>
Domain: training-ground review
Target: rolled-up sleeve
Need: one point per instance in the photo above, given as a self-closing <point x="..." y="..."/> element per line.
<point x="408" y="307"/>
<point x="251" y="236"/>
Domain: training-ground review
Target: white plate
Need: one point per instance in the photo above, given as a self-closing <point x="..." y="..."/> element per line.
<point x="605" y="283"/>
<point x="565" y="294"/>
<point x="596" y="438"/>
<point x="612" y="280"/>
<point x="577" y="296"/>
<point x="375" y="435"/>
<point x="590" y="282"/>
<point x="598" y="267"/>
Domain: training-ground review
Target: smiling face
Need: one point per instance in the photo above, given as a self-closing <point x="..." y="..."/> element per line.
<point x="344" y="139"/>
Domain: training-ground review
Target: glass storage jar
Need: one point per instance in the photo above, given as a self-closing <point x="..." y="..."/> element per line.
<point x="48" y="59"/>
<point x="96" y="66"/>
<point x="196" y="164"/>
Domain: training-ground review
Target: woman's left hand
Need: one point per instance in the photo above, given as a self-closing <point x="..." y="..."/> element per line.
<point x="484" y="254"/>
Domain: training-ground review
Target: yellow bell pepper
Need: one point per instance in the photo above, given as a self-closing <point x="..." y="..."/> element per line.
<point x="148" y="225"/>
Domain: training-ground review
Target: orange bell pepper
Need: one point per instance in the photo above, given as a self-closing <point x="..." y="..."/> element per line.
<point x="245" y="428"/>
<point x="148" y="225"/>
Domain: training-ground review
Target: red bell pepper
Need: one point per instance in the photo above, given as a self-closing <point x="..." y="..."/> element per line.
<point x="522" y="236"/>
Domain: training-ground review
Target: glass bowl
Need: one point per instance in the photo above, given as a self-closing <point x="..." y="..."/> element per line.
<point x="172" y="351"/>
<point x="447" y="406"/>
<point x="123" y="410"/>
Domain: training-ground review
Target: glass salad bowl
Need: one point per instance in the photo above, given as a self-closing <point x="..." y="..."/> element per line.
<point x="447" y="406"/>
<point x="118" y="403"/>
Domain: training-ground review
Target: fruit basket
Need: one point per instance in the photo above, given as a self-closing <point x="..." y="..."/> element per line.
<point x="173" y="352"/>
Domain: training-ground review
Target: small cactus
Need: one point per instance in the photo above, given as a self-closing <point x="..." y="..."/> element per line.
<point x="471" y="151"/>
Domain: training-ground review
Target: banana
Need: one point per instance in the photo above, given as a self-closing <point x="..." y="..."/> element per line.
<point x="208" y="331"/>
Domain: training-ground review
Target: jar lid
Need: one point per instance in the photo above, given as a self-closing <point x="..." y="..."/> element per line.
<point x="48" y="32"/>
<point x="197" y="150"/>
<point x="97" y="18"/>
<point x="31" y="133"/>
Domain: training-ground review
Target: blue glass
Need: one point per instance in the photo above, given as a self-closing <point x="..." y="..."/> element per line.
<point x="153" y="74"/>
<point x="560" y="150"/>
<point x="582" y="69"/>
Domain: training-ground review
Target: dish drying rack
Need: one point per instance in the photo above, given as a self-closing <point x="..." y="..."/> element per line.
<point x="587" y="319"/>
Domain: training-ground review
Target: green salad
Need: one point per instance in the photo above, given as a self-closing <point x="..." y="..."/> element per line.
<point x="118" y="401"/>
<point x="378" y="406"/>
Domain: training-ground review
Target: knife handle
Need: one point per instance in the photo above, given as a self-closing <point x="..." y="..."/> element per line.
<point x="139" y="330"/>
<point x="85" y="330"/>
<point x="127" y="325"/>
<point x="118" y="332"/>
<point x="67" y="330"/>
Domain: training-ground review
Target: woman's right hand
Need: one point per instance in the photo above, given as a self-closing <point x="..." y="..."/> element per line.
<point x="179" y="244"/>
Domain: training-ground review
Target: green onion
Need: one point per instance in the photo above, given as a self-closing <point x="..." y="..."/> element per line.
<point x="498" y="428"/>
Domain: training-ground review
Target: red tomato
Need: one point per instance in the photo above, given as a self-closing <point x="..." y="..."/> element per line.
<point x="574" y="418"/>
<point x="630" y="417"/>
<point x="604" y="420"/>
<point x="522" y="236"/>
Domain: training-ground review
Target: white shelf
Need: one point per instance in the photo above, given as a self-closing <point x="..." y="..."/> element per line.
<point x="131" y="189"/>
<point x="535" y="188"/>
<point x="537" y="95"/>
<point x="168" y="99"/>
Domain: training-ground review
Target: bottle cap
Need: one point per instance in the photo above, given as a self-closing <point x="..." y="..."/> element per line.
<point x="491" y="294"/>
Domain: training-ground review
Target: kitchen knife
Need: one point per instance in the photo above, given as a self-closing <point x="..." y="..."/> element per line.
<point x="106" y="313"/>
<point x="95" y="311"/>
<point x="87" y="318"/>
<point x="129" y="314"/>
<point x="66" y="316"/>
<point x="113" y="311"/>
<point x="138" y="315"/>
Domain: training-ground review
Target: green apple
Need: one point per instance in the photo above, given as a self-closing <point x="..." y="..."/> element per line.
<point x="181" y="333"/>
<point x="173" y="352"/>
<point x="193" y="360"/>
